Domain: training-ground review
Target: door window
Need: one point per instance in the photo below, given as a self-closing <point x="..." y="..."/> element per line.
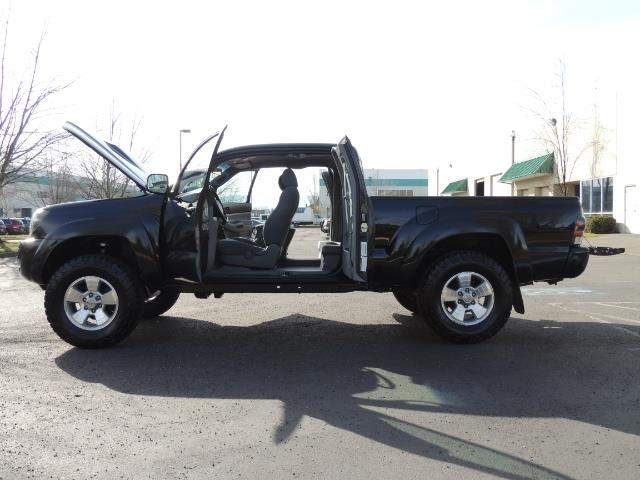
<point x="237" y="189"/>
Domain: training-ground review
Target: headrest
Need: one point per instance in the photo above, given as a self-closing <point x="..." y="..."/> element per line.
<point x="287" y="179"/>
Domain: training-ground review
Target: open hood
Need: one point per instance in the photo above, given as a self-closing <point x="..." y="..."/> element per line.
<point x="112" y="154"/>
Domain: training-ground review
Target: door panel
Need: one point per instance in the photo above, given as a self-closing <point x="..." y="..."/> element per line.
<point x="235" y="195"/>
<point x="239" y="216"/>
<point x="355" y="212"/>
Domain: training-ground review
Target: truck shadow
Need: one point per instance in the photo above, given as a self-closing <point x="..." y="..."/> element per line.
<point x="349" y="375"/>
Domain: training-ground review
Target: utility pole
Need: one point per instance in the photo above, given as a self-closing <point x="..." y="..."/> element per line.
<point x="513" y="147"/>
<point x="513" y="156"/>
<point x="184" y="130"/>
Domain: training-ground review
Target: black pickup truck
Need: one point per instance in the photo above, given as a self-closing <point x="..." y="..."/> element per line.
<point x="456" y="262"/>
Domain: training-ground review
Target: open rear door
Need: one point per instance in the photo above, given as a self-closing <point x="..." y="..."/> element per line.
<point x="355" y="212"/>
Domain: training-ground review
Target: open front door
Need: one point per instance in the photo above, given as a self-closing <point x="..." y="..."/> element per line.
<point x="181" y="175"/>
<point x="206" y="224"/>
<point x="355" y="212"/>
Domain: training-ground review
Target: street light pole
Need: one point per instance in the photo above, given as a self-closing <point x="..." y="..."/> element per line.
<point x="513" y="156"/>
<point x="184" y="130"/>
<point x="513" y="146"/>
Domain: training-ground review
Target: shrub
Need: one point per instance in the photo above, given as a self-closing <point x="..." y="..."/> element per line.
<point x="601" y="224"/>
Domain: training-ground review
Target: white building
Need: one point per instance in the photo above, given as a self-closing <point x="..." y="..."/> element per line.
<point x="479" y="178"/>
<point x="33" y="190"/>
<point x="605" y="175"/>
<point x="22" y="198"/>
<point x="386" y="182"/>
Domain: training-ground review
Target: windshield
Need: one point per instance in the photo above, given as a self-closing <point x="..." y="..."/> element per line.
<point x="193" y="177"/>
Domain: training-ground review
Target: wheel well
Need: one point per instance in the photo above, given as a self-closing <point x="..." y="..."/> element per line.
<point x="114" y="246"/>
<point x="490" y="244"/>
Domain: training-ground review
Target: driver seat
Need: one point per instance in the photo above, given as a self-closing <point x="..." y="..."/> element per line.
<point x="246" y="253"/>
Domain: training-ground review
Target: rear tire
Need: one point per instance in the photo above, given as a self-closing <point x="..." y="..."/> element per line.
<point x="161" y="303"/>
<point x="407" y="299"/>
<point x="82" y="321"/>
<point x="455" y="312"/>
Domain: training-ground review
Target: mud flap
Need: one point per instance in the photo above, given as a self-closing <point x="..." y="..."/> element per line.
<point x="518" y="303"/>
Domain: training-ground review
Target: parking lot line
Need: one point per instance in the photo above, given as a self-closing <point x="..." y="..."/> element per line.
<point x="598" y="317"/>
<point x="614" y="304"/>
<point x="613" y="317"/>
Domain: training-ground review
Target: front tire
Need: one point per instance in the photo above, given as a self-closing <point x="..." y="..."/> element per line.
<point x="160" y="303"/>
<point x="93" y="301"/>
<point x="407" y="299"/>
<point x="466" y="297"/>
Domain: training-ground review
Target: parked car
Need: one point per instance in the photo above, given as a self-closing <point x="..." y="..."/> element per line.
<point x="457" y="262"/>
<point x="14" y="226"/>
<point x="26" y="222"/>
<point x="3" y="228"/>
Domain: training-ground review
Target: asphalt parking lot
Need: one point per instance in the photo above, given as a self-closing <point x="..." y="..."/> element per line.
<point x="330" y="386"/>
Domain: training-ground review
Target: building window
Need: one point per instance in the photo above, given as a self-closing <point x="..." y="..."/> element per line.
<point x="607" y="194"/>
<point x="381" y="192"/>
<point x="480" y="188"/>
<point x="596" y="195"/>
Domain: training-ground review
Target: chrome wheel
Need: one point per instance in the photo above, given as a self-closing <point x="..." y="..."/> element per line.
<point x="467" y="298"/>
<point x="91" y="303"/>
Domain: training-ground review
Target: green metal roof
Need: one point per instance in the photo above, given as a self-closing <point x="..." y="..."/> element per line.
<point x="457" y="186"/>
<point x="528" y="168"/>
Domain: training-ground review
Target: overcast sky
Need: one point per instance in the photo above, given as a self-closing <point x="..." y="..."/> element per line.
<point x="413" y="84"/>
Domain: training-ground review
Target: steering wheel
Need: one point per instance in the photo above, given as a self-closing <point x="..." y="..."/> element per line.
<point x="219" y="208"/>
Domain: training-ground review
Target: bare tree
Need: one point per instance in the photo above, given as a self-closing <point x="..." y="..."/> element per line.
<point x="97" y="178"/>
<point x="59" y="184"/>
<point x="313" y="196"/>
<point x="557" y="127"/>
<point x="22" y="106"/>
<point x="598" y="143"/>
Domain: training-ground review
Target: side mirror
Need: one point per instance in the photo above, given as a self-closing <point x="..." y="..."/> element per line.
<point x="157" y="183"/>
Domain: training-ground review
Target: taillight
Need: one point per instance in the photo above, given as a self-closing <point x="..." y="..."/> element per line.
<point x="578" y="231"/>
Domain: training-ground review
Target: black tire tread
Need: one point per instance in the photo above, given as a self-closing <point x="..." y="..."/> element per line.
<point x="407" y="298"/>
<point x="167" y="299"/>
<point x="429" y="287"/>
<point x="116" y="268"/>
